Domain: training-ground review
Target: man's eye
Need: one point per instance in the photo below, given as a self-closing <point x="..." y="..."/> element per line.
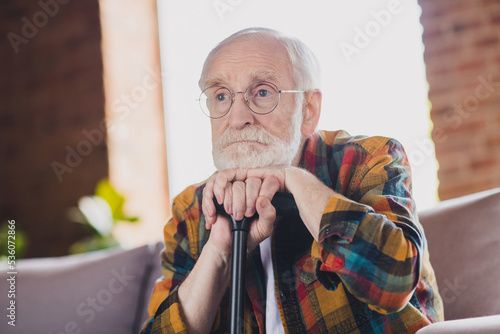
<point x="263" y="93"/>
<point x="221" y="97"/>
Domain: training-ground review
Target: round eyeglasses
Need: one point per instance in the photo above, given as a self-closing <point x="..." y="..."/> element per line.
<point x="261" y="98"/>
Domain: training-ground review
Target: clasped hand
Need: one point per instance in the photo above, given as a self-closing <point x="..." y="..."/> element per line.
<point x="242" y="192"/>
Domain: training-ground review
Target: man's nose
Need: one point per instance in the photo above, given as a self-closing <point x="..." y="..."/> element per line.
<point x="240" y="114"/>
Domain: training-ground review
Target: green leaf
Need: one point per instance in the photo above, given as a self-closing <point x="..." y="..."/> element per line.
<point x="105" y="190"/>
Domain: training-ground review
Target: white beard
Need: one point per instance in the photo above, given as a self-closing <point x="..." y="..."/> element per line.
<point x="274" y="152"/>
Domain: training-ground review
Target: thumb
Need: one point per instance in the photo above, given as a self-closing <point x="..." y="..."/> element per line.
<point x="267" y="216"/>
<point x="263" y="227"/>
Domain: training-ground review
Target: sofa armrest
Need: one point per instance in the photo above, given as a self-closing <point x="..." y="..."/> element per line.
<point x="97" y="292"/>
<point x="483" y="325"/>
<point x="463" y="236"/>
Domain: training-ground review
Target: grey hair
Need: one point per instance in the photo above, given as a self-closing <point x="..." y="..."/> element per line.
<point x="306" y="70"/>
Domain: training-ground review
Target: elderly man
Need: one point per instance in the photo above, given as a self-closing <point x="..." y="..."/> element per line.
<point x="356" y="259"/>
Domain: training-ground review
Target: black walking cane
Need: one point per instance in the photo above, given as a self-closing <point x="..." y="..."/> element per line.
<point x="285" y="205"/>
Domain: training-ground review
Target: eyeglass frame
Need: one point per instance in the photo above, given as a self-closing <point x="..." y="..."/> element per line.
<point x="233" y="98"/>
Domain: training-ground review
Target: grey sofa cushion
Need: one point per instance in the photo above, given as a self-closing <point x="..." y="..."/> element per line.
<point x="153" y="276"/>
<point x="100" y="292"/>
<point x="464" y="244"/>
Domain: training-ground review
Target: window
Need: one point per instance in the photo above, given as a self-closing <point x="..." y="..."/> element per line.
<point x="373" y="74"/>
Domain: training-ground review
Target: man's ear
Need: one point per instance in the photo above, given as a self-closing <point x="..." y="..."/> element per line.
<point x="311" y="111"/>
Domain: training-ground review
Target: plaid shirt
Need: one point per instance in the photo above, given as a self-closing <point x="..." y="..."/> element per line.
<point x="369" y="272"/>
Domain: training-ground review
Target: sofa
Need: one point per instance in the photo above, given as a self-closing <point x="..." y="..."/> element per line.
<point x="108" y="291"/>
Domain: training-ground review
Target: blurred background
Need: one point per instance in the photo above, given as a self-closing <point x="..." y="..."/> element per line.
<point x="100" y="128"/>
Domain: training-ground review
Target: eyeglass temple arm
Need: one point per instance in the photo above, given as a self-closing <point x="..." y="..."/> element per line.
<point x="292" y="91"/>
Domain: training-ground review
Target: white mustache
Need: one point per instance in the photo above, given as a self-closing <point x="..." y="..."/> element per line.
<point x="255" y="134"/>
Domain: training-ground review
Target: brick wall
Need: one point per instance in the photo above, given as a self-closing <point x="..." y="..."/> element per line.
<point x="51" y="89"/>
<point x="80" y="92"/>
<point x="462" y="56"/>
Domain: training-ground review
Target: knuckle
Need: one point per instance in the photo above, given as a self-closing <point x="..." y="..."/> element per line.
<point x="238" y="185"/>
<point x="219" y="183"/>
<point x="255" y="182"/>
<point x="273" y="180"/>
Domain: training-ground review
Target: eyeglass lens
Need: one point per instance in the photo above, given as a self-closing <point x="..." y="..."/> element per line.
<point x="261" y="98"/>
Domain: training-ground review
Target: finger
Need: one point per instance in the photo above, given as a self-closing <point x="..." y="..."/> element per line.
<point x="240" y="174"/>
<point x="270" y="185"/>
<point x="252" y="187"/>
<point x="219" y="187"/>
<point x="208" y="206"/>
<point x="277" y="171"/>
<point x="239" y="202"/>
<point x="227" y="176"/>
<point x="264" y="226"/>
<point x="267" y="212"/>
<point x="228" y="199"/>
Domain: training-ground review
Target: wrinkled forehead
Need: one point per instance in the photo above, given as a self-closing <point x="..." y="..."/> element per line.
<point x="256" y="58"/>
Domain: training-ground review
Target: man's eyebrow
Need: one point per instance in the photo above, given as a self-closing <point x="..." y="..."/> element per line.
<point x="214" y="80"/>
<point x="222" y="80"/>
<point x="265" y="76"/>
